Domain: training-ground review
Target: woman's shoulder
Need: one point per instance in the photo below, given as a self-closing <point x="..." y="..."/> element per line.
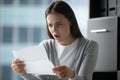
<point x="89" y="41"/>
<point x="92" y="45"/>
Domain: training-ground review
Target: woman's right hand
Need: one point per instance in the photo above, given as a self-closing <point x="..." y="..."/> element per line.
<point x="18" y="66"/>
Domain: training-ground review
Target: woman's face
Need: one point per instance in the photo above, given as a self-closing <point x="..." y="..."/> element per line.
<point x="59" y="27"/>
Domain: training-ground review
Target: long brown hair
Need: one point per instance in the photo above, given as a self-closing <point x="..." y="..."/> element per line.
<point x="64" y="9"/>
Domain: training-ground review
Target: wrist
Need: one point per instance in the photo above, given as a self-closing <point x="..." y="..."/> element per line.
<point x="72" y="74"/>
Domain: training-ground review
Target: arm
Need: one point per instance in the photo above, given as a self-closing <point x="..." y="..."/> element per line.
<point x="30" y="77"/>
<point x="89" y="63"/>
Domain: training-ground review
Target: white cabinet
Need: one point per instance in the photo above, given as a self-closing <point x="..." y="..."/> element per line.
<point x="105" y="31"/>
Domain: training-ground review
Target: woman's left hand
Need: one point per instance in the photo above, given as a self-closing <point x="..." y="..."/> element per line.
<point x="63" y="72"/>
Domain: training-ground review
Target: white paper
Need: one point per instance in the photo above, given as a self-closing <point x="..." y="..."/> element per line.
<point x="36" y="60"/>
<point x="39" y="67"/>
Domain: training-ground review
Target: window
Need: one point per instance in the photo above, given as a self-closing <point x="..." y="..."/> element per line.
<point x="49" y="1"/>
<point x="22" y="34"/>
<point x="6" y="72"/>
<point x="44" y="33"/>
<point x="36" y="35"/>
<point x="7" y="2"/>
<point x="23" y="2"/>
<point x="7" y="34"/>
<point x="0" y="34"/>
<point x="37" y="2"/>
<point x="0" y="1"/>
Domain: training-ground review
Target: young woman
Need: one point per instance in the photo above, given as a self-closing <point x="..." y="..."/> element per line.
<point x="73" y="55"/>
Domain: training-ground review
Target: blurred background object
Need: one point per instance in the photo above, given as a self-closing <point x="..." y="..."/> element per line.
<point x="104" y="27"/>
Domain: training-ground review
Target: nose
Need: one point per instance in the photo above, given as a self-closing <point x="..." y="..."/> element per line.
<point x="54" y="29"/>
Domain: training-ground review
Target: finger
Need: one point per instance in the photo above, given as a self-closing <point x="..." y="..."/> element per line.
<point x="17" y="69"/>
<point x="20" y="63"/>
<point x="17" y="61"/>
<point x="20" y="66"/>
<point x="59" y="69"/>
<point x="62" y="75"/>
<point x="20" y="71"/>
<point x="17" y="66"/>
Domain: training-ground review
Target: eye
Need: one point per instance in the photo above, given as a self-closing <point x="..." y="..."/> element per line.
<point x="59" y="24"/>
<point x="49" y="25"/>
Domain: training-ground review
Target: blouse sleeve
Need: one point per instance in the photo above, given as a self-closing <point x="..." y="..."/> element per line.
<point x="30" y="77"/>
<point x="40" y="77"/>
<point x="89" y="62"/>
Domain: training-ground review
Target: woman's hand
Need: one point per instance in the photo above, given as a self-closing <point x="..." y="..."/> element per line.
<point x="18" y="66"/>
<point x="63" y="72"/>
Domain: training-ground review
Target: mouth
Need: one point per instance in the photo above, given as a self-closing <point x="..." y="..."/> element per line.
<point x="56" y="36"/>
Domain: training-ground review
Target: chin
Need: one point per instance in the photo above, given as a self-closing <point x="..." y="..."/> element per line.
<point x="58" y="40"/>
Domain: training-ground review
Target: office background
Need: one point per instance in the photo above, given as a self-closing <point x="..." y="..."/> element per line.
<point x="22" y="24"/>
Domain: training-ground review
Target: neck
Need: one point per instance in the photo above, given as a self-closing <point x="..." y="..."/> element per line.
<point x="68" y="41"/>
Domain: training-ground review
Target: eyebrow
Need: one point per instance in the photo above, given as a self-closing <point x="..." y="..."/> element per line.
<point x="59" y="22"/>
<point x="56" y="22"/>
